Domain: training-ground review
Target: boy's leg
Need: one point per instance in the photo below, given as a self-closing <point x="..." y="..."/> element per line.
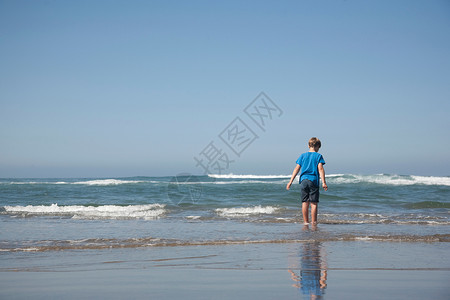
<point x="304" y="187"/>
<point x="305" y="212"/>
<point x="314" y="206"/>
<point x="314" y="199"/>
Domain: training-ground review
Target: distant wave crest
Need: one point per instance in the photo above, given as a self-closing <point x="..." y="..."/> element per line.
<point x="106" y="182"/>
<point x="233" y="176"/>
<point x="386" y="179"/>
<point x="333" y="179"/>
<point x="94" y="182"/>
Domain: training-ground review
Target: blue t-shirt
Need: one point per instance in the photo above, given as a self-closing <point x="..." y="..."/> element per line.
<point x="309" y="162"/>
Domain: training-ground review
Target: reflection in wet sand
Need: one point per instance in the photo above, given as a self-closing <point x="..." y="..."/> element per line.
<point x="311" y="280"/>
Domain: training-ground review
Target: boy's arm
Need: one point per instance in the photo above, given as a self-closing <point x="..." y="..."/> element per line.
<point x="296" y="170"/>
<point x="322" y="176"/>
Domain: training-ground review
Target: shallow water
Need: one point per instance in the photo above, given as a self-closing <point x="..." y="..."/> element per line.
<point x="90" y="213"/>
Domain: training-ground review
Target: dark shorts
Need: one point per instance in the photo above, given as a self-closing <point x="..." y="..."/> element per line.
<point x="310" y="191"/>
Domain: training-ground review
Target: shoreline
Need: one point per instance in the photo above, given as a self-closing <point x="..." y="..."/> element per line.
<point x="148" y="242"/>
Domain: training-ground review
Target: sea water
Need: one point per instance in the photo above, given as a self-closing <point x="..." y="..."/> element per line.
<point x="99" y="213"/>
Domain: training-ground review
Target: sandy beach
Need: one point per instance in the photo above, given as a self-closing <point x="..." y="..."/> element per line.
<point x="310" y="270"/>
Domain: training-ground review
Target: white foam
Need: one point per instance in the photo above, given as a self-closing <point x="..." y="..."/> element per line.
<point x="149" y="211"/>
<point x="333" y="175"/>
<point x="106" y="182"/>
<point x="27" y="182"/>
<point x="233" y="176"/>
<point x="432" y="180"/>
<point x="245" y="211"/>
<point x="100" y="182"/>
<point x="365" y="238"/>
<point x="390" y="179"/>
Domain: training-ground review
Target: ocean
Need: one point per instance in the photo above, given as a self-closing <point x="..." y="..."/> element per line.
<point x="42" y="215"/>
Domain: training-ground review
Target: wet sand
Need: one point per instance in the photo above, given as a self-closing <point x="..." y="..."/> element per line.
<point x="298" y="270"/>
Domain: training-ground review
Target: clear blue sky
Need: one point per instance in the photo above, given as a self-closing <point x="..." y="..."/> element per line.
<point x="124" y="88"/>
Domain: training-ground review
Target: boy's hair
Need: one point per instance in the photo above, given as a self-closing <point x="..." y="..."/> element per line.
<point x="314" y="143"/>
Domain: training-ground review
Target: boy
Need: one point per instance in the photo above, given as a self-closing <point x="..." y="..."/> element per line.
<point x="311" y="163"/>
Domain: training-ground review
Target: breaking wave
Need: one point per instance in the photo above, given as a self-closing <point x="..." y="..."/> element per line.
<point x="150" y="211"/>
<point x="384" y="179"/>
